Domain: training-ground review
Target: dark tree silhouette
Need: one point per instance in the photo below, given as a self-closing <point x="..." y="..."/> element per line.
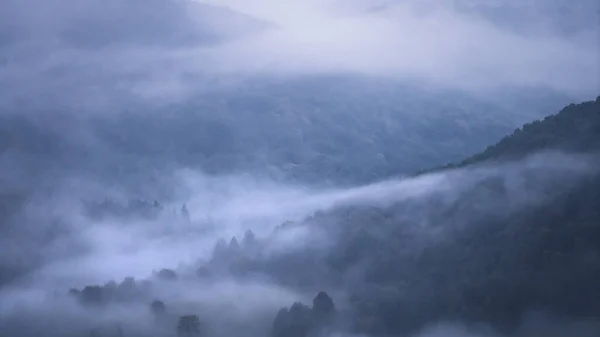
<point x="188" y="325"/>
<point x="323" y="304"/>
<point x="92" y="295"/>
<point x="249" y="241"/>
<point x="127" y="290"/>
<point x="234" y="246"/>
<point x="185" y="213"/>
<point x="220" y="250"/>
<point x="167" y="275"/>
<point x="295" y="322"/>
<point x="300" y="320"/>
<point x="158" y="309"/>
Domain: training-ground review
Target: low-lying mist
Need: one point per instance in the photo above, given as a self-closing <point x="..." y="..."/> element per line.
<point x="166" y="164"/>
<point x="85" y="248"/>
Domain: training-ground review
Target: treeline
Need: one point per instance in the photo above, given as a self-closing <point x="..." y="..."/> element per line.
<point x="133" y="208"/>
<point x="512" y="241"/>
<point x="574" y="129"/>
<point x="337" y="129"/>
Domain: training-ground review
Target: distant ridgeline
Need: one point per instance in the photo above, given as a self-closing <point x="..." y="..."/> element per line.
<point x="576" y="128"/>
<point x="471" y="258"/>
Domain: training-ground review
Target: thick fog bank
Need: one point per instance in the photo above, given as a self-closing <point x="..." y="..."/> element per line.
<point x="430" y="212"/>
<point x="95" y="55"/>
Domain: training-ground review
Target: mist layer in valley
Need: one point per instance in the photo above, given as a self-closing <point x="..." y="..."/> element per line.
<point x="241" y="248"/>
<point x="248" y="168"/>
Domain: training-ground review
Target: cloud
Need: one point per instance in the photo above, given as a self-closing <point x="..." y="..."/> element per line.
<point x="430" y="42"/>
<point x="86" y="250"/>
<point x="96" y="55"/>
<point x="92" y="251"/>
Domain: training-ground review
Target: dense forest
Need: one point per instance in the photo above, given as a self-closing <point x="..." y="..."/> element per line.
<point x="355" y="168"/>
<point x="339" y="130"/>
<point x="517" y="234"/>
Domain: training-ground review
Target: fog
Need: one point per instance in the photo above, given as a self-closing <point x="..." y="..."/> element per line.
<point x="139" y="135"/>
<point x="87" y="250"/>
<point x="99" y="51"/>
<point x="427" y="41"/>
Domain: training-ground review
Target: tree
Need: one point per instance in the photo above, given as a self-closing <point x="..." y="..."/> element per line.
<point x="301" y="321"/>
<point x="167" y="275"/>
<point x="127" y="290"/>
<point x="295" y="322"/>
<point x="185" y="213"/>
<point x="220" y="250"/>
<point x="323" y="304"/>
<point x="188" y="325"/>
<point x="234" y="246"/>
<point x="92" y="295"/>
<point x="158" y="309"/>
<point x="249" y="241"/>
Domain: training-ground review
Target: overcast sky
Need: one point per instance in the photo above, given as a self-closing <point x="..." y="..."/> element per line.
<point x="426" y="40"/>
<point x="98" y="48"/>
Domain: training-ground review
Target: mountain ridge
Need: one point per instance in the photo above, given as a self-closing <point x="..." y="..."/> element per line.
<point x="509" y="239"/>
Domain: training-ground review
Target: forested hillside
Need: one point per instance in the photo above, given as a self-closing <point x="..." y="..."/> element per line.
<point x="501" y="257"/>
<point x="506" y="235"/>
<point x="270" y="168"/>
<point x="319" y="130"/>
<point x="507" y="250"/>
<point x="574" y="129"/>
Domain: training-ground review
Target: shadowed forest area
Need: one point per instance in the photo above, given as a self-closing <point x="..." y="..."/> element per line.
<point x="485" y="256"/>
<point x="317" y="168"/>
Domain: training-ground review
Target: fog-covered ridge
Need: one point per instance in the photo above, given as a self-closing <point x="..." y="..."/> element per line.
<point x="318" y="168"/>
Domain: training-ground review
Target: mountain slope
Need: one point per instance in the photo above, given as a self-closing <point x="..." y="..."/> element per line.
<point x="323" y="129"/>
<point x="509" y="239"/>
<point x="486" y="244"/>
<point x="574" y="128"/>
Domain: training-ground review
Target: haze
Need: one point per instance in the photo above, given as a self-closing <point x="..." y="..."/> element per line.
<point x="232" y="158"/>
<point x="433" y="42"/>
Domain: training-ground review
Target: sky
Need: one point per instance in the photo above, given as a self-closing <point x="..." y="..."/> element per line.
<point x="104" y="50"/>
<point x="431" y="41"/>
<point x="71" y="57"/>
